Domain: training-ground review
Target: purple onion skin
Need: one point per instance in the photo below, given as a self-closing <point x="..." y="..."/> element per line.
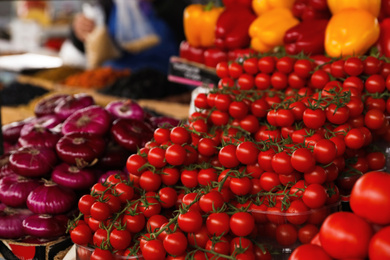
<point x="44" y="226"/>
<point x="127" y="109"/>
<point x="33" y="161"/>
<point x="51" y="199"/>
<point x="39" y="137"/>
<point x="163" y="121"/>
<point x="14" y="190"/>
<point x="92" y="119"/>
<point x="84" y="147"/>
<point x="11" y="132"/>
<point x="71" y="104"/>
<point x="46" y="105"/>
<point x="114" y="157"/>
<point x="71" y="177"/>
<point x="11" y="223"/>
<point x="48" y="122"/>
<point x="131" y="134"/>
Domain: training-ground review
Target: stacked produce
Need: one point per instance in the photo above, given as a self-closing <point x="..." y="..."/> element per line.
<point x="313" y="27"/>
<point x="363" y="233"/>
<point x="257" y="169"/>
<point x="53" y="158"/>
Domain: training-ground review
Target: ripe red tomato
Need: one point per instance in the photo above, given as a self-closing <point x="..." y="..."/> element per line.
<point x="175" y="243"/>
<point x="281" y="163"/>
<point x="245" y="81"/>
<point x="227" y="156"/>
<point x="324" y="151"/>
<point x="353" y="66"/>
<point x="374" y="119"/>
<point x="85" y="203"/>
<point x="235" y="70"/>
<point x="309" y="251"/>
<point x="242" y="223"/>
<point x="150" y="181"/>
<point x="303" y="160"/>
<point x="218" y="223"/>
<point x="101" y="254"/>
<point x="314" y="196"/>
<point x="314" y="118"/>
<point x="210" y="201"/>
<point x="285" y="64"/>
<point x="262" y="81"/>
<point x="120" y="239"/>
<point x="303" y="67"/>
<point x="375" y="84"/>
<point x="250" y="65"/>
<point x="100" y="211"/>
<point x="81" y="234"/>
<point x="369" y="195"/>
<point x="190" y="222"/>
<point x="319" y="78"/>
<point x="345" y="235"/>
<point x="266" y="64"/>
<point x="247" y="152"/>
<point x="379" y="245"/>
<point x="222" y="69"/>
<point x="298" y="212"/>
<point x="153" y="249"/>
<point x="286" y="234"/>
<point x="307" y="233"/>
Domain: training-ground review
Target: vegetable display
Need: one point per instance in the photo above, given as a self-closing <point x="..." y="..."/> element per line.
<point x="55" y="157"/>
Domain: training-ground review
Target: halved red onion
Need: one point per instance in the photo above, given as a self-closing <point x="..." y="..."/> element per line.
<point x="33" y="161"/>
<point x="72" y="103"/>
<point x="131" y="134"/>
<point x="114" y="157"/>
<point x="161" y="121"/>
<point x="44" y="226"/>
<point x="11" y="132"/>
<point x="14" y="190"/>
<point x="128" y="109"/>
<point x="50" y="198"/>
<point x="11" y="222"/>
<point x="72" y="177"/>
<point x="92" y="119"/>
<point x="46" y="105"/>
<point x="77" y="147"/>
<point x="39" y="136"/>
<point x="48" y="122"/>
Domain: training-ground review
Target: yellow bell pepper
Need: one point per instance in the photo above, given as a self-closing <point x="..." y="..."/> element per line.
<point x="199" y="24"/>
<point x="351" y="32"/>
<point x="262" y="6"/>
<point x="373" y="6"/>
<point x="268" y="30"/>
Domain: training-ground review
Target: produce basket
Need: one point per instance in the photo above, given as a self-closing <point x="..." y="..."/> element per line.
<point x="84" y="253"/>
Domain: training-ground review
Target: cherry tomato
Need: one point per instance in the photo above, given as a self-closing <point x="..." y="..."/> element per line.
<point x="314" y="196"/>
<point x="286" y="234"/>
<point x="242" y="223"/>
<point x="153" y="249"/>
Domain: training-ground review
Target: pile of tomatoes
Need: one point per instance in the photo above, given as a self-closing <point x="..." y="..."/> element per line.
<point x="363" y="233"/>
<point x="258" y="167"/>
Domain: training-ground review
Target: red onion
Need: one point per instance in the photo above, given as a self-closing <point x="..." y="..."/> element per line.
<point x="104" y="176"/>
<point x="39" y="136"/>
<point x="11" y="132"/>
<point x="44" y="226"/>
<point x="14" y="190"/>
<point x="10" y="147"/>
<point x="128" y="109"/>
<point x="131" y="134"/>
<point x="72" y="103"/>
<point x="161" y="121"/>
<point x="33" y="161"/>
<point x="50" y="198"/>
<point x="46" y="105"/>
<point x="48" y="122"/>
<point x="5" y="168"/>
<point x="92" y="119"/>
<point x="70" y="176"/>
<point x="11" y="222"/>
<point x="76" y="147"/>
<point x="114" y="157"/>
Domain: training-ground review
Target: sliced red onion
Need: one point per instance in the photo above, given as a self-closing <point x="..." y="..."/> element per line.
<point x="76" y="147"/>
<point x="39" y="136"/>
<point x="11" y="132"/>
<point x="131" y="134"/>
<point x="48" y="122"/>
<point x="33" y="161"/>
<point x="70" y="176"/>
<point x="50" y="198"/>
<point x="14" y="190"/>
<point x="161" y="121"/>
<point x="92" y="119"/>
<point x="72" y="103"/>
<point x="44" y="226"/>
<point x="114" y="157"/>
<point x="46" y="105"/>
<point x="128" y="109"/>
<point x="11" y="222"/>
<point x="105" y="175"/>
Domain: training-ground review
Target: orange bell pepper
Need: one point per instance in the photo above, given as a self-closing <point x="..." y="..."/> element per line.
<point x="372" y="6"/>
<point x="199" y="24"/>
<point x="351" y="32"/>
<point x="262" y="6"/>
<point x="268" y="30"/>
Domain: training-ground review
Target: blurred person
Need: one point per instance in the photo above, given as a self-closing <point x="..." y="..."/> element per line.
<point x="165" y="18"/>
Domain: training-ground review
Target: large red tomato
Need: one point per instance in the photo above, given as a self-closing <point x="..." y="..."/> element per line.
<point x="370" y="197"/>
<point x="345" y="235"/>
<point x="379" y="247"/>
<point x="309" y="251"/>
